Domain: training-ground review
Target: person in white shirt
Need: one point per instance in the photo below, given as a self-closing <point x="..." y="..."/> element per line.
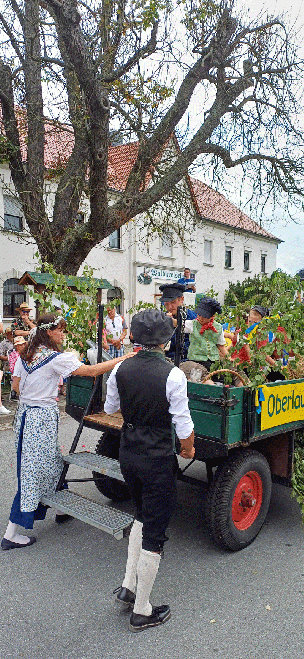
<point x="115" y="330"/>
<point x="152" y="394"/>
<point x="39" y="460"/>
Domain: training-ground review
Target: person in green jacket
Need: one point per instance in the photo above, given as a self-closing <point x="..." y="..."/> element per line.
<point x="207" y="341"/>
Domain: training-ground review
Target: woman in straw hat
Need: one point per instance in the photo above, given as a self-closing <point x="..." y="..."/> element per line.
<point x="39" y="460"/>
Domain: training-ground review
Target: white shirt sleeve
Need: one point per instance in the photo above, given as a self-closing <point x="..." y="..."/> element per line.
<point x="112" y="402"/>
<point x="18" y="368"/>
<point x="221" y="340"/>
<point x="176" y="393"/>
<point x="65" y="364"/>
<point x="188" y="326"/>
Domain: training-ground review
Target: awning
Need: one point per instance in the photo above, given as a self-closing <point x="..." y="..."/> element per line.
<point x="44" y="278"/>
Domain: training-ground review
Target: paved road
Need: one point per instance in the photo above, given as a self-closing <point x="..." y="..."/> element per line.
<point x="56" y="595"/>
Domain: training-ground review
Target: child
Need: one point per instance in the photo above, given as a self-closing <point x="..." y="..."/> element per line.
<point x="207" y="341"/>
<point x="19" y="345"/>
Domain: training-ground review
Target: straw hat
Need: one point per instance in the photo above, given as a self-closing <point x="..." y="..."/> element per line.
<point x="24" y="307"/>
<point x="19" y="340"/>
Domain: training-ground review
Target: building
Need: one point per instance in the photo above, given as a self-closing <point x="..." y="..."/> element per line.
<point x="222" y="244"/>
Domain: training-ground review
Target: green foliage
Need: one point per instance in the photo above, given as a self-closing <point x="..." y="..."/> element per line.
<point x="7" y="149"/>
<point x="197" y="15"/>
<point x="297" y="480"/>
<point x="141" y="306"/>
<point x="263" y="290"/>
<point x="79" y="306"/>
<point x="279" y="293"/>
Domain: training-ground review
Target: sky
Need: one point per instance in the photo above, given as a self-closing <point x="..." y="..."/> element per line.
<point x="290" y="253"/>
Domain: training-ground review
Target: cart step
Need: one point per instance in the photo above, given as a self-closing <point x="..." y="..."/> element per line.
<point x="107" y="519"/>
<point x="98" y="463"/>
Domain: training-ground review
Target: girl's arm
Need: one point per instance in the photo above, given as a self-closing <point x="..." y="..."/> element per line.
<point x="103" y="367"/>
<point x="15" y="384"/>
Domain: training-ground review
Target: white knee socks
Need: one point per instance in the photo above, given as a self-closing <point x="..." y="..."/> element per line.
<point x="147" y="568"/>
<point x="12" y="535"/>
<point x="135" y="542"/>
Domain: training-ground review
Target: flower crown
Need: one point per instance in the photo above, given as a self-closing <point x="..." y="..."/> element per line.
<point x="54" y="323"/>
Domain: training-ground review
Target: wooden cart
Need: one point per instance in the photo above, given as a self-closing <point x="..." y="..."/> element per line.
<point x="245" y="438"/>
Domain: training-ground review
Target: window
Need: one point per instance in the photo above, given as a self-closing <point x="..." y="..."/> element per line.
<point x="114" y="240"/>
<point x="263" y="263"/>
<point x="208" y="252"/>
<point x="228" y="257"/>
<point x="166" y="245"/>
<point x="13" y="296"/>
<point x="246" y="260"/>
<point x="13" y="216"/>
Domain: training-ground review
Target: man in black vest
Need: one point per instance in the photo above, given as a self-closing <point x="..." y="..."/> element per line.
<point x="152" y="394"/>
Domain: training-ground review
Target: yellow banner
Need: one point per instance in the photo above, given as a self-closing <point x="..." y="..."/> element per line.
<point x="284" y="403"/>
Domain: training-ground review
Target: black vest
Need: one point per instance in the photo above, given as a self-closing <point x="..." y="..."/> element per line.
<point x="141" y="383"/>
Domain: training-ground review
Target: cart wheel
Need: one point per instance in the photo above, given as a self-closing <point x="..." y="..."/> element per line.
<point x="111" y="488"/>
<point x="238" y="500"/>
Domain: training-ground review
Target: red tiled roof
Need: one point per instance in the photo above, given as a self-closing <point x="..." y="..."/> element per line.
<point x="213" y="206"/>
<point x="121" y="161"/>
<point x="58" y="144"/>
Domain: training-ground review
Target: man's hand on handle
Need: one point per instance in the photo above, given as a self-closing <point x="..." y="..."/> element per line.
<point x="187" y="447"/>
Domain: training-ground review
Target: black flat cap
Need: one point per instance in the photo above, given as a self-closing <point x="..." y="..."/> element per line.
<point x="171" y="291"/>
<point x="207" y="307"/>
<point x="152" y="327"/>
<point x="263" y="311"/>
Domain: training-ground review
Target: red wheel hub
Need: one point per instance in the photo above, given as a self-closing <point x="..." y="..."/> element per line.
<point x="247" y="500"/>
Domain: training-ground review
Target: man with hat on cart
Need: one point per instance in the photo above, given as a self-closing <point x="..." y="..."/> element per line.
<point x="152" y="394"/>
<point x="172" y="298"/>
<point x="22" y="325"/>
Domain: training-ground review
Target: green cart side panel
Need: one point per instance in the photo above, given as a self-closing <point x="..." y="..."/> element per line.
<point x="207" y="424"/>
<point x="79" y="390"/>
<point x="235" y="431"/>
<point x="210" y="418"/>
<point x="210" y="425"/>
<point x="214" y="392"/>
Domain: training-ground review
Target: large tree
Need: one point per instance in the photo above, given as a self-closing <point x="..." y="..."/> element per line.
<point x="230" y="88"/>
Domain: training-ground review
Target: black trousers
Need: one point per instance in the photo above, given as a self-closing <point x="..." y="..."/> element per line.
<point x="152" y="484"/>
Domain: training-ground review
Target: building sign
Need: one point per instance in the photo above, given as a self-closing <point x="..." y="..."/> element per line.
<point x="146" y="274"/>
<point x="283" y="403"/>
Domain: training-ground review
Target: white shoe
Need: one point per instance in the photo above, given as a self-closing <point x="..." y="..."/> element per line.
<point x="3" y="410"/>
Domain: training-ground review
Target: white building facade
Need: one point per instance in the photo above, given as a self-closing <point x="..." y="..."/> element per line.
<point x="224" y="246"/>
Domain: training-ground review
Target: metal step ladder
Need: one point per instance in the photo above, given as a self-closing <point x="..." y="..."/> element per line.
<point x="99" y="463"/>
<point x="102" y="516"/>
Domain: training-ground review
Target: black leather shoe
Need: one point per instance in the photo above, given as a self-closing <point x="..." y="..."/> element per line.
<point x="61" y="519"/>
<point x="9" y="544"/>
<point x="159" y="615"/>
<point x="124" y="597"/>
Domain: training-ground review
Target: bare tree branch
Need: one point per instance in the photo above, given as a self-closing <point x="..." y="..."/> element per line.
<point x="12" y="38"/>
<point x="141" y="53"/>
